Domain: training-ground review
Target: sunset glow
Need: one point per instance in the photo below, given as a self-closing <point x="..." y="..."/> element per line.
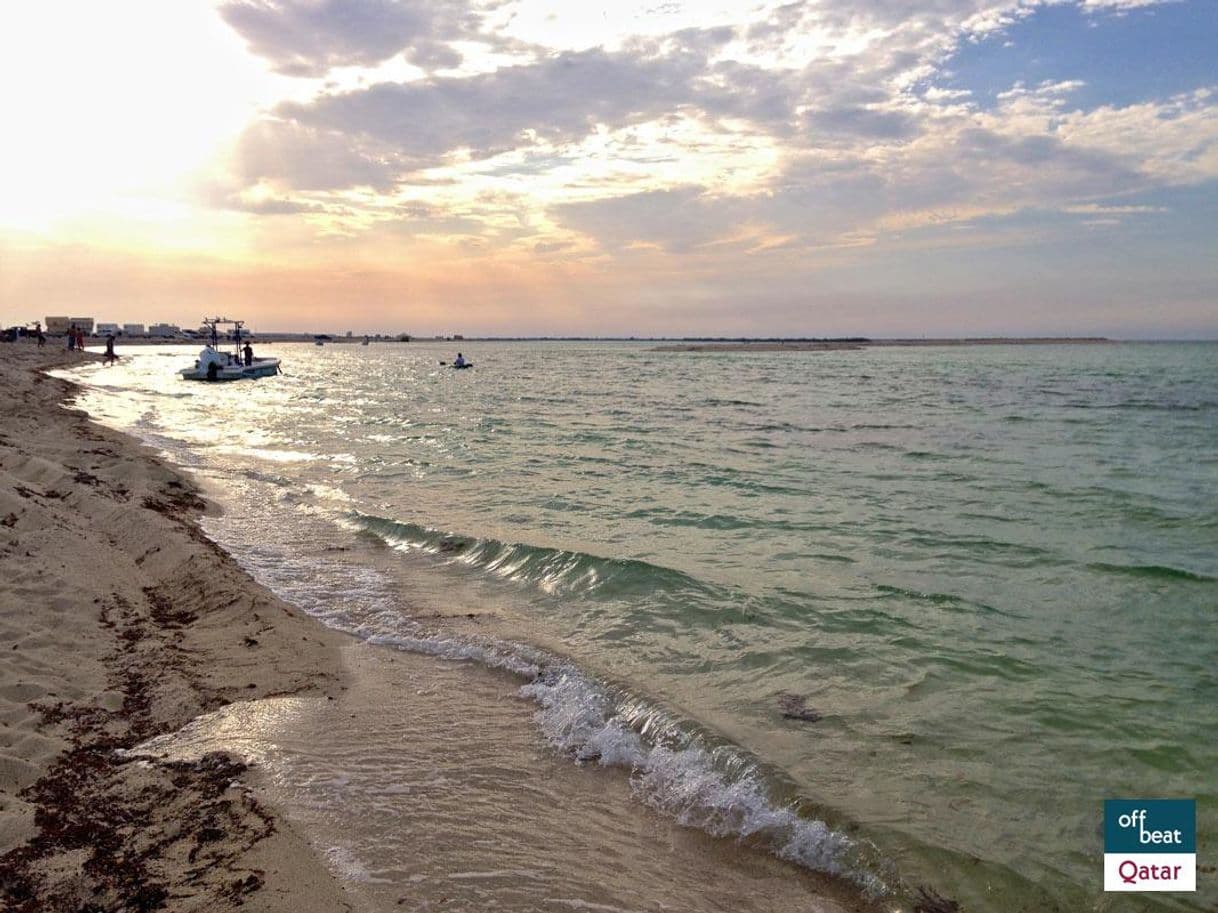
<point x="974" y="166"/>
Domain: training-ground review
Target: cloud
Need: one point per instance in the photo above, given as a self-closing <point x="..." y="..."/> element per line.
<point x="677" y="220"/>
<point x="272" y="207"/>
<point x="310" y="37"/>
<point x="1096" y="209"/>
<point x="861" y="122"/>
<point x="376" y="135"/>
<point x="299" y="157"/>
<point x="829" y="107"/>
<point x="552" y="247"/>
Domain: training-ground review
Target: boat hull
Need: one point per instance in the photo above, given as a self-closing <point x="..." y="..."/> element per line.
<point x="262" y="367"/>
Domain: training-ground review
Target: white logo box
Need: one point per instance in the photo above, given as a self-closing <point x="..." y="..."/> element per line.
<point x="1182" y="867"/>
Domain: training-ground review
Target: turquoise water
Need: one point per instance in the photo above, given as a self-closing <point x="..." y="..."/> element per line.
<point x="990" y="572"/>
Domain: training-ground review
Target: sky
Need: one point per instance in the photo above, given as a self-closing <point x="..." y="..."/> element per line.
<point x="519" y="167"/>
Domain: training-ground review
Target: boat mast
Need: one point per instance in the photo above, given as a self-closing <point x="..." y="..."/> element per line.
<point x="214" y="324"/>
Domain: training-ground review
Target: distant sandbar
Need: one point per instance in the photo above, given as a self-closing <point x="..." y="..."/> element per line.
<point x="837" y="345"/>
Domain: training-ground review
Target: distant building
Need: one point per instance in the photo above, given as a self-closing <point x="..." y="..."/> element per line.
<point x="133" y="329"/>
<point x="163" y="330"/>
<point x="58" y="326"/>
<point x="348" y="334"/>
<point x="105" y="328"/>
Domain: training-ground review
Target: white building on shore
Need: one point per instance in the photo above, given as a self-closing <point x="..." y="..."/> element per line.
<point x="59" y="326"/>
<point x="164" y="330"/>
<point x="133" y="329"/>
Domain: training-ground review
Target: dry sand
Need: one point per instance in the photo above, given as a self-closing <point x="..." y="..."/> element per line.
<point x="119" y="620"/>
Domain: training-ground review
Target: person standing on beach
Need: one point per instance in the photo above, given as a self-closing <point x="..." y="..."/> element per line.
<point x="42" y="338"/>
<point x="110" y="358"/>
<point x="80" y="338"/>
<point x="72" y="338"/>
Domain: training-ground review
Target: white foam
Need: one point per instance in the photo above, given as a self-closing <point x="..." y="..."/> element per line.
<point x="343" y="860"/>
<point x="716" y="790"/>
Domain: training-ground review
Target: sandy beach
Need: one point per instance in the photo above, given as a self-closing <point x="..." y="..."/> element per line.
<point x="120" y="621"/>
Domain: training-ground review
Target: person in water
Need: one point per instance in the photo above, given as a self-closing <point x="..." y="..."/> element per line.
<point x="460" y="362"/>
<point x="248" y="352"/>
<point x="110" y="358"/>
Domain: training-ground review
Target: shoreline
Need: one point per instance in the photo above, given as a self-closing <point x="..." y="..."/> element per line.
<point x="120" y="620"/>
<point x="659" y="343"/>
<point x="175" y="631"/>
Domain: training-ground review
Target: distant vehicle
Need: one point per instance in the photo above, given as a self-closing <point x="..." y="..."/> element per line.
<point x="213" y="364"/>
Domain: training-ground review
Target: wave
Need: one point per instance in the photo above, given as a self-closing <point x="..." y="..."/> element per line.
<point x="1152" y="572"/>
<point x="672" y="766"/>
<point x="713" y="788"/>
<point x="554" y="571"/>
<point x="948" y="601"/>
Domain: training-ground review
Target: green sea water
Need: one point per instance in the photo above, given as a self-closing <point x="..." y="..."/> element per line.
<point x="985" y="577"/>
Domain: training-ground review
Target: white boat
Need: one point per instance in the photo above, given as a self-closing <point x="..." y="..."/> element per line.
<point x="214" y="364"/>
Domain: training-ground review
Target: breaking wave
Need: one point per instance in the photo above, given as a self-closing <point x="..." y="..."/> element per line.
<point x="554" y="571"/>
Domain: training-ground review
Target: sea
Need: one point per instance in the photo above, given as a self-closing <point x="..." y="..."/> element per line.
<point x="895" y="620"/>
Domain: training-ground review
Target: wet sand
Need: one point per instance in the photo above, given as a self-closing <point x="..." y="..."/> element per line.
<point x="428" y="786"/>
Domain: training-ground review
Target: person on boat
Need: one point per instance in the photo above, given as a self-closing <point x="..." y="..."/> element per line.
<point x="248" y="352"/>
<point x="110" y="358"/>
<point x="460" y="361"/>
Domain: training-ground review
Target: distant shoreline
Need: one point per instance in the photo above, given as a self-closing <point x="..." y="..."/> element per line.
<point x="836" y="345"/>
<point x="666" y="343"/>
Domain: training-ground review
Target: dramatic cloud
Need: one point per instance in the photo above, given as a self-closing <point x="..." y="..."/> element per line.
<point x="695" y="147"/>
<point x="556" y="100"/>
